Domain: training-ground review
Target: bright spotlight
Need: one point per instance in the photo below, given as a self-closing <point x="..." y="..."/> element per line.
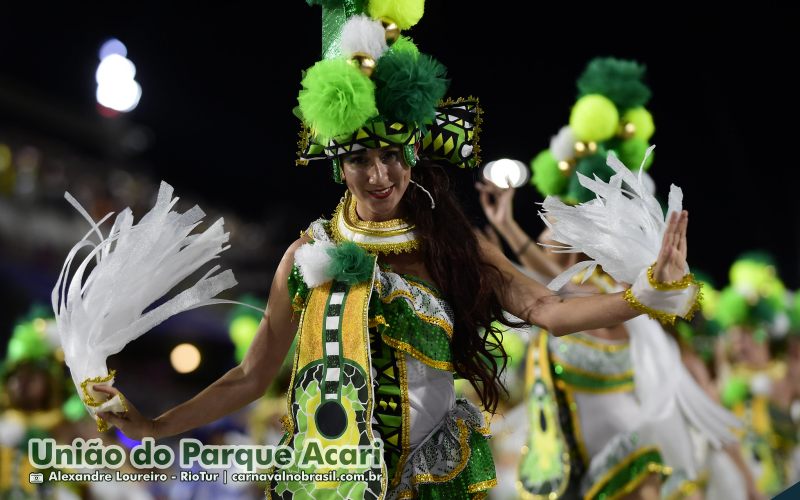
<point x="506" y="173"/>
<point x="185" y="358"/>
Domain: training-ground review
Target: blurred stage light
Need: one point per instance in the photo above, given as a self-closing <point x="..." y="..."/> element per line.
<point x="116" y="87"/>
<point x="115" y="69"/>
<point x="113" y="46"/>
<point x="185" y="358"/>
<point x="506" y="172"/>
<point x="122" y="97"/>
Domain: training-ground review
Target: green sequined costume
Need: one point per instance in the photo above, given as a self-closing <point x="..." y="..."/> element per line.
<point x="434" y="447"/>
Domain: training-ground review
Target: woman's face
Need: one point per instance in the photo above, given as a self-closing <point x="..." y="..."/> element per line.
<point x="377" y="178"/>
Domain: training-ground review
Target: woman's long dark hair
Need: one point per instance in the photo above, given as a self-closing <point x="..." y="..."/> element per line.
<point x="453" y="259"/>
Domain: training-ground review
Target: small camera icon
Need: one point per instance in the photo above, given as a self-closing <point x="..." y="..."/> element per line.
<point x="36" y="478"/>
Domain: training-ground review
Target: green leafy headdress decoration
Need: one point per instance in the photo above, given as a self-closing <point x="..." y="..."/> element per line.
<point x="374" y="89"/>
<point x="609" y="115"/>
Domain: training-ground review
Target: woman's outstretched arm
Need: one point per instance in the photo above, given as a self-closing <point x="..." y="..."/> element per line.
<point x="532" y="302"/>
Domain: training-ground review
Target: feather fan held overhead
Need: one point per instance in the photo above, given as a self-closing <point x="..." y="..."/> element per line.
<point x="98" y="312"/>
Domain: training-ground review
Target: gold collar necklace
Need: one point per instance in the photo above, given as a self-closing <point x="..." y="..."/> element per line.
<point x="391" y="236"/>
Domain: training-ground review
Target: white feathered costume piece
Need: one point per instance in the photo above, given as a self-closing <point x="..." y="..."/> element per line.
<point x="99" y="311"/>
<point x="621" y="230"/>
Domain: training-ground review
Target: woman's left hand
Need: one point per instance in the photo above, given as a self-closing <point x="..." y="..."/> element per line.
<point x="671" y="262"/>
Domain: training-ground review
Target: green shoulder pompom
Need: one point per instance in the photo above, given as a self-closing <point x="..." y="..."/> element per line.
<point x="350" y="263"/>
<point x="336" y="99"/>
<point x="642" y="121"/>
<point x="546" y="176"/>
<point x="617" y="79"/>
<point x="406" y="13"/>
<point x="408" y="86"/>
<point x="594" y="118"/>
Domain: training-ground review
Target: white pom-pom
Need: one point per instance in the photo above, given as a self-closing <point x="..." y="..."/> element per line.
<point x="760" y="384"/>
<point x="313" y="261"/>
<point x="11" y="432"/>
<point x="363" y="34"/>
<point x="562" y="145"/>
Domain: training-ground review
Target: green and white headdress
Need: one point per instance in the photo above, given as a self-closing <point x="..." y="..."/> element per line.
<point x="609" y="115"/>
<point x="374" y="89"/>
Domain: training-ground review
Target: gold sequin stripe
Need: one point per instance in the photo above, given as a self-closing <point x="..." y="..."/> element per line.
<point x="286" y="420"/>
<point x="600" y="346"/>
<point x="483" y="485"/>
<point x="576" y="419"/>
<point x="651" y="468"/>
<point x="406" y="422"/>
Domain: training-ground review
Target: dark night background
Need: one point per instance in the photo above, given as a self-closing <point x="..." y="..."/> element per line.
<point x="219" y="84"/>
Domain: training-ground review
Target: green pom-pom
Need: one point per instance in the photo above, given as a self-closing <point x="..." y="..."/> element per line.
<point x="735" y="391"/>
<point x="336" y="98"/>
<point x="405" y="13"/>
<point x="404" y="44"/>
<point x="242" y="331"/>
<point x="594" y="118"/>
<point x="617" y="79"/>
<point x="631" y="153"/>
<point x="546" y="176"/>
<point x="642" y="120"/>
<point x="589" y="166"/>
<point x="408" y="86"/>
<point x="243" y="324"/>
<point x="73" y="408"/>
<point x="732" y="308"/>
<point x="350" y="263"/>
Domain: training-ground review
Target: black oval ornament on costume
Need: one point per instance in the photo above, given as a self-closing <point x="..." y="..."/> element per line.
<point x="330" y="419"/>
